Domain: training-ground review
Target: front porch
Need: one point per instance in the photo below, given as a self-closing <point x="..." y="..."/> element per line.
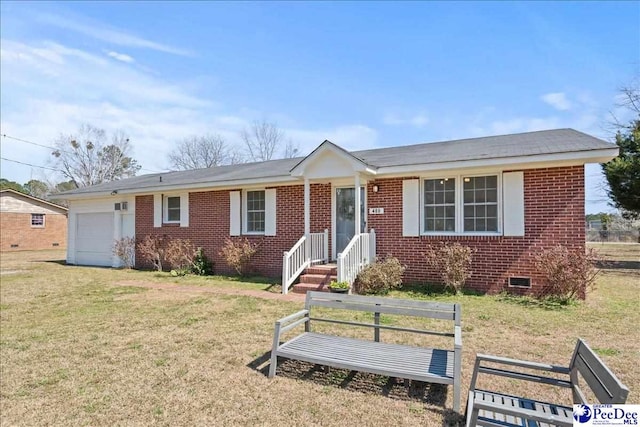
<point x="349" y="242"/>
<point x="309" y="260"/>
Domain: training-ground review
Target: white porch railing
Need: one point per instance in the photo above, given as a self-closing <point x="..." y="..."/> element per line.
<point x="311" y="249"/>
<point x="360" y="252"/>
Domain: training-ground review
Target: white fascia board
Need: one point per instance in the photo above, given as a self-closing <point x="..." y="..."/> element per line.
<point x="506" y="163"/>
<point x="357" y="164"/>
<point x="194" y="187"/>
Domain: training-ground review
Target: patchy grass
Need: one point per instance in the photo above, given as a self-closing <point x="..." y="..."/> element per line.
<point x="76" y="349"/>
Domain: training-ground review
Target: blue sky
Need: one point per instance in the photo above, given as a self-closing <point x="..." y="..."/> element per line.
<point x="360" y="74"/>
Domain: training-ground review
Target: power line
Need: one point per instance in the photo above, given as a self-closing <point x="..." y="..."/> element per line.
<point x="4" y="135"/>
<point x="29" y="164"/>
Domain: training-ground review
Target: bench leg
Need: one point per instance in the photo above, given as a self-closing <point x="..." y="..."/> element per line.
<point x="472" y="413"/>
<point x="456" y="396"/>
<point x="274" y="363"/>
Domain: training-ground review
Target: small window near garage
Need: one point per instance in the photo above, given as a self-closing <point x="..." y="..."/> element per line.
<point x="173" y="209"/>
<point x="37" y="220"/>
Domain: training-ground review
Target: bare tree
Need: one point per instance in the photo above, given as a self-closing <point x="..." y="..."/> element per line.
<point x="291" y="150"/>
<point x="261" y="140"/>
<point x="86" y="157"/>
<point x="236" y="156"/>
<point x="196" y="152"/>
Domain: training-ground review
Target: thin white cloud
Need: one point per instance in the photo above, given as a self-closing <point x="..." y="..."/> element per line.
<point x="121" y="57"/>
<point x="49" y="89"/>
<point x="112" y="35"/>
<point x="419" y="120"/>
<point x="557" y="100"/>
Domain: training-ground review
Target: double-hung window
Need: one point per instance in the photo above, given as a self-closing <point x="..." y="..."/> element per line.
<point x="461" y="205"/>
<point x="172" y="209"/>
<point x="481" y="203"/>
<point x="255" y="211"/>
<point x="439" y="205"/>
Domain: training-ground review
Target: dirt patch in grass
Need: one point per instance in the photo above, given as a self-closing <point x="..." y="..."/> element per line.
<point x="198" y="290"/>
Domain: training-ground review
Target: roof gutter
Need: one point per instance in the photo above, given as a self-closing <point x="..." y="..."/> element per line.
<point x="219" y="185"/>
<point x="525" y="162"/>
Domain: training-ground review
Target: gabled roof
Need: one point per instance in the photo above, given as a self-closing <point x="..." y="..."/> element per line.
<point x="33" y="199"/>
<point x="563" y="144"/>
<point x="328" y="146"/>
<point x="487" y="147"/>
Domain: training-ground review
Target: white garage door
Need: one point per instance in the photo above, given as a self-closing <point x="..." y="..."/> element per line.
<point x="94" y="239"/>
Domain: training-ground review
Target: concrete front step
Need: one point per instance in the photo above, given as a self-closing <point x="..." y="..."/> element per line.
<point x="303" y="288"/>
<point x="317" y="279"/>
<point x="325" y="269"/>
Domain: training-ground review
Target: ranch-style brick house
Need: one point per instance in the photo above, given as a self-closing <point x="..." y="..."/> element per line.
<point x="30" y="223"/>
<point x="507" y="197"/>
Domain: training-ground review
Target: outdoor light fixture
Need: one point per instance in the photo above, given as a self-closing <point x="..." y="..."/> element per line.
<point x="376" y="188"/>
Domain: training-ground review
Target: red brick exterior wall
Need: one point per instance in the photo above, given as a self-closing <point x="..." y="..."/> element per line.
<point x="15" y="229"/>
<point x="209" y="224"/>
<point x="554" y="214"/>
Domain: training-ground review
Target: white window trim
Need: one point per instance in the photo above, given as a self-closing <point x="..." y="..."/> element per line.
<point x="165" y="208"/>
<point x="245" y="215"/>
<point x="460" y="205"/>
<point x="44" y="220"/>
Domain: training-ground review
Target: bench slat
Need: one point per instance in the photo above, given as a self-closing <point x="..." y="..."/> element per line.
<point x="498" y="407"/>
<point x="436" y="366"/>
<point x="327" y="343"/>
<point x="402" y="311"/>
<point x="313" y="297"/>
<point x="391" y="328"/>
<point x="379" y="358"/>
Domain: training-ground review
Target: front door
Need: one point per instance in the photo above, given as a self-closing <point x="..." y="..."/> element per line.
<point x="346" y="216"/>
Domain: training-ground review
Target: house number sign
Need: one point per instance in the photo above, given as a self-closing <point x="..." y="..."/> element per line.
<point x="376" y="211"/>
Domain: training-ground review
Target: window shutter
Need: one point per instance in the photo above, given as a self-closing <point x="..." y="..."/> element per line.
<point x="410" y="207"/>
<point x="234" y="212"/>
<point x="157" y="210"/>
<point x="184" y="210"/>
<point x="513" y="203"/>
<point x="270" y="212"/>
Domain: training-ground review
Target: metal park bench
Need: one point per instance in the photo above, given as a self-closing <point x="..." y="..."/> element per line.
<point x="487" y="408"/>
<point x="440" y="366"/>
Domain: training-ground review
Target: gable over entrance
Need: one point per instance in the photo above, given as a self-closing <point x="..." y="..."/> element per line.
<point x="330" y="161"/>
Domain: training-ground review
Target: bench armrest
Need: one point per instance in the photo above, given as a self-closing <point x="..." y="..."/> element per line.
<point x="286" y="323"/>
<point x="479" y="368"/>
<point x="292" y="317"/>
<point x="522" y="363"/>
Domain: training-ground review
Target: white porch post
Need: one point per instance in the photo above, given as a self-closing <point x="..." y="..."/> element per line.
<point x="307" y="207"/>
<point x="358" y="205"/>
<point x="307" y="220"/>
